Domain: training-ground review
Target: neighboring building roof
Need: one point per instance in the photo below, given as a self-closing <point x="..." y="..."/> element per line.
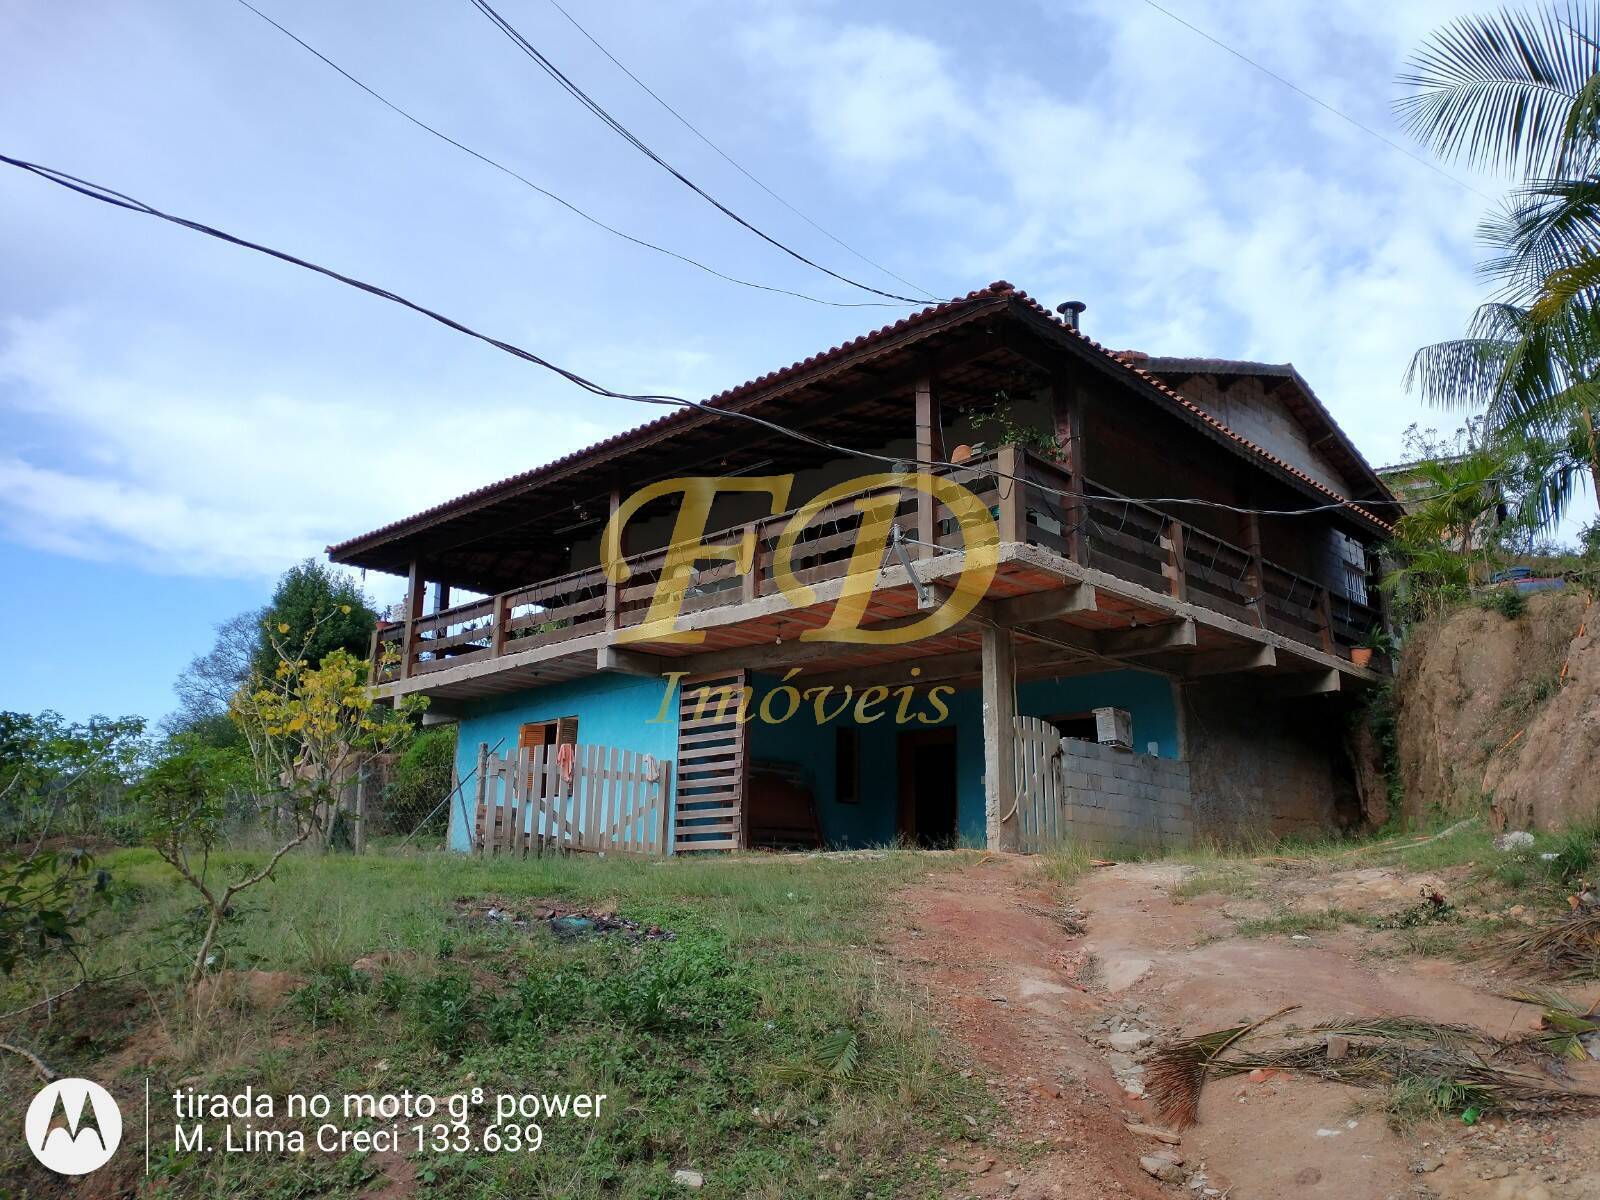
<point x="998" y="298"/>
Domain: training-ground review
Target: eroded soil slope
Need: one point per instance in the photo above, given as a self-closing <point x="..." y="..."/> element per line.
<point x="1058" y="997"/>
<point x="1507" y="709"/>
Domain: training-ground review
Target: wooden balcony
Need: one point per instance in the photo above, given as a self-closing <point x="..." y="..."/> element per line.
<point x="1088" y="525"/>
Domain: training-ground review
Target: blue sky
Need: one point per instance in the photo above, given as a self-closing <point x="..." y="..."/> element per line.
<point x="183" y="420"/>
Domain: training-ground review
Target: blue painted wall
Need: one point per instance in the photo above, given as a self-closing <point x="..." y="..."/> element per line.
<point x="621" y="710"/>
<point x="803" y="742"/>
<point x="613" y="710"/>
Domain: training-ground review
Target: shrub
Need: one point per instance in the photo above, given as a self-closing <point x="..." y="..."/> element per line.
<point x="423" y="777"/>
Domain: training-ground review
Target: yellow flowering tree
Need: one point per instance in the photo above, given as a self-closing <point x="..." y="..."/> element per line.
<point x="310" y="729"/>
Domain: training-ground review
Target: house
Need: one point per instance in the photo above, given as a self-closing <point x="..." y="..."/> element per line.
<point x="1153" y="641"/>
<point x="1414" y="481"/>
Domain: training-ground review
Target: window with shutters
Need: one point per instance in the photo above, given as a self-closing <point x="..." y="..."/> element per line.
<point x="562" y="732"/>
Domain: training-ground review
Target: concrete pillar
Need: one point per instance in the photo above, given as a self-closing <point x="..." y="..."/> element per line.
<point x="999" y="712"/>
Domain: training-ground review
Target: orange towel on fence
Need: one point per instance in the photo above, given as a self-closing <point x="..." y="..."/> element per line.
<point x="564" y="757"/>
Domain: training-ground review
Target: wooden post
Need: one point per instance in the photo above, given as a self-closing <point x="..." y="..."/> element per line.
<point x="478" y="814"/>
<point x="1325" y="619"/>
<point x="999" y="739"/>
<point x="1177" y="579"/>
<point x="930" y="448"/>
<point x="499" y="627"/>
<point x="372" y="656"/>
<point x="358" y="825"/>
<point x="1258" y="579"/>
<point x="665" y="832"/>
<point x="441" y="596"/>
<point x="414" y="588"/>
<point x="613" y="598"/>
<point x="750" y="584"/>
<point x="1067" y="403"/>
<point x="1010" y="462"/>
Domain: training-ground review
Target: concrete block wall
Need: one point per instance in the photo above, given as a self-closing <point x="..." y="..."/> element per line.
<point x="1262" y="767"/>
<point x="1119" y="801"/>
<point x="1247" y="409"/>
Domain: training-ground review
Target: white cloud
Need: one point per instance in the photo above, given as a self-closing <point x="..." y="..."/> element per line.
<point x="235" y="481"/>
<point x="1198" y="206"/>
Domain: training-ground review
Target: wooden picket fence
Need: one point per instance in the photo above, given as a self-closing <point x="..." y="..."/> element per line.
<point x="608" y="800"/>
<point x="1044" y="816"/>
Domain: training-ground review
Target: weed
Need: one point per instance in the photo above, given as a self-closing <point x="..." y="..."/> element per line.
<point x="689" y="1035"/>
<point x="1212" y="883"/>
<point x="443" y="1008"/>
<point x="1506" y="601"/>
<point x="1065" y="864"/>
<point x="1410" y="1102"/>
<point x="1286" y="922"/>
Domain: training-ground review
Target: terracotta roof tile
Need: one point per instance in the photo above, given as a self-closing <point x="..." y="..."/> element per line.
<point x="1126" y="360"/>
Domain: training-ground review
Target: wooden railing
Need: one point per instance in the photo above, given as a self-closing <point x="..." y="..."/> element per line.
<point x="1032" y="499"/>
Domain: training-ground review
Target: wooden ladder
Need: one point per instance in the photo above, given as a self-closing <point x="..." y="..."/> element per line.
<point x="712" y="766"/>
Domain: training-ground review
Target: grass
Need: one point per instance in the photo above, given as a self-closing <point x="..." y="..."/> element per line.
<point x="1288" y="923"/>
<point x="1213" y="883"/>
<point x="1065" y="864"/>
<point x="761" y="1046"/>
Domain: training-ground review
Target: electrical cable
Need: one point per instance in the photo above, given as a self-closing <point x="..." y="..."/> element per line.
<point x="546" y="192"/>
<point x="1317" y="100"/>
<point x="116" y="199"/>
<point x="728" y="158"/>
<point x="583" y="98"/>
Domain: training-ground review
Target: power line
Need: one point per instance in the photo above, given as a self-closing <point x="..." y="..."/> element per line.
<point x="1318" y="101"/>
<point x="116" y="199"/>
<point x="622" y="131"/>
<point x="692" y="128"/>
<point x="567" y="204"/>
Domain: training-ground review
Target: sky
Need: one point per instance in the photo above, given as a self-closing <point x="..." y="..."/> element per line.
<point x="182" y="419"/>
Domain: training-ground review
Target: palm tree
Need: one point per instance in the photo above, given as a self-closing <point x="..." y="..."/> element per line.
<point x="1520" y="92"/>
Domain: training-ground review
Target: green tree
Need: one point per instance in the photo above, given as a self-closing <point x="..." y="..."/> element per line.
<point x="1520" y="92"/>
<point x="318" y="610"/>
<point x="310" y="729"/>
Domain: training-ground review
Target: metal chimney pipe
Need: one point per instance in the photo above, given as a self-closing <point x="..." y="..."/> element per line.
<point x="1071" y="310"/>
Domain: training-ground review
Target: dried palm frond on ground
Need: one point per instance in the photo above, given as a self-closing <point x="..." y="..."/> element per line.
<point x="1177" y="1074"/>
<point x="1565" y="949"/>
<point x="1454" y="1067"/>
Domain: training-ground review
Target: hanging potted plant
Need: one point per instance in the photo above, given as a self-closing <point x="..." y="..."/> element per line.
<point x="1376" y="641"/>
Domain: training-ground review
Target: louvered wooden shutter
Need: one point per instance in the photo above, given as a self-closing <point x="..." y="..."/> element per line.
<point x="567" y="731"/>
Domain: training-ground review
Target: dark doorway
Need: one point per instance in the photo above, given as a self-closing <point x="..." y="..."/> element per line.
<point x="927" y="770"/>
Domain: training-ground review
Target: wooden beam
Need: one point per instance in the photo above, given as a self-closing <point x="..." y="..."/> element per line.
<point x="612" y="589"/>
<point x="999" y="739"/>
<point x="414" y="589"/>
<point x="1229" y="662"/>
<point x="1258" y="579"/>
<point x="1012" y="468"/>
<point x="1068" y="403"/>
<point x="930" y="448"/>
<point x="1177" y="574"/>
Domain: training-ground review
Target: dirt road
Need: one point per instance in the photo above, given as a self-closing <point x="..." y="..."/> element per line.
<point x="1055" y="993"/>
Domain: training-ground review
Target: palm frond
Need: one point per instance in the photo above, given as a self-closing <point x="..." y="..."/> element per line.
<point x="839" y="1052"/>
<point x="1544" y="225"/>
<point x="1177" y="1073"/>
<point x="1464" y="373"/>
<point x="1441" y="1033"/>
<point x="1502" y="90"/>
